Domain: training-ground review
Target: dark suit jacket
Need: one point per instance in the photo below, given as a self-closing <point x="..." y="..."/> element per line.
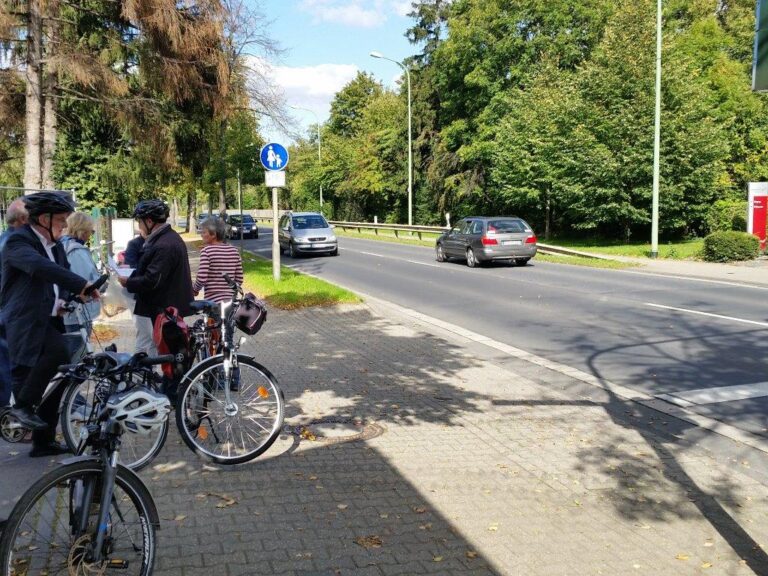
<point x="162" y="277"/>
<point x="26" y="292"/>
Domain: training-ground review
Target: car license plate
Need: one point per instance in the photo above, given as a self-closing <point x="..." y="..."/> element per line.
<point x="511" y="242"/>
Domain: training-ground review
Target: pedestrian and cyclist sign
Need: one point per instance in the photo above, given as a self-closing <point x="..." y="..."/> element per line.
<point x="274" y="157"/>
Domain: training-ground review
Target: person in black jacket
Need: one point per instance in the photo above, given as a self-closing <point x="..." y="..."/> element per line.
<point x="35" y="276"/>
<point x="162" y="277"/>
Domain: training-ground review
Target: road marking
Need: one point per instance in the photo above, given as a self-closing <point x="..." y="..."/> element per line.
<point x="709" y="314"/>
<point x="695" y="279"/>
<point x="716" y="395"/>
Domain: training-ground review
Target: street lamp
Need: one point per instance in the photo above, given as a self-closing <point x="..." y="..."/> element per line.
<point x="410" y="146"/>
<point x="656" y="141"/>
<point x="319" y="155"/>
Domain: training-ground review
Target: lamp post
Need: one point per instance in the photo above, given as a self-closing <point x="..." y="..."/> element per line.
<point x="656" y="141"/>
<point x="319" y="155"/>
<point x="410" y="146"/>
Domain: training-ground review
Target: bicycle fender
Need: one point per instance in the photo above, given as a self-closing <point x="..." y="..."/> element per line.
<point x="154" y="517"/>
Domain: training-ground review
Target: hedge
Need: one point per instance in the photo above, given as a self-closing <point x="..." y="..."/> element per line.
<point x="730" y="246"/>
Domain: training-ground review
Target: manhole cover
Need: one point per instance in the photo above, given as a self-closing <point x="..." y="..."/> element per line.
<point x="336" y="430"/>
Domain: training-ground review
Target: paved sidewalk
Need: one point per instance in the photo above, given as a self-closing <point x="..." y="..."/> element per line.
<point x="436" y="455"/>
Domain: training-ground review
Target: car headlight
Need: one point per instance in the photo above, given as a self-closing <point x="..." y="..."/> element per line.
<point x="301" y="240"/>
<point x="234" y="228"/>
<point x="331" y="239"/>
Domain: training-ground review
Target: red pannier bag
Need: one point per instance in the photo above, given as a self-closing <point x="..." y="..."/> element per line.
<point x="171" y="336"/>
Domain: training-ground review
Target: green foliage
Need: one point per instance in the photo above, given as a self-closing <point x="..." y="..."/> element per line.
<point x="349" y="103"/>
<point x="730" y="246"/>
<point x="726" y="215"/>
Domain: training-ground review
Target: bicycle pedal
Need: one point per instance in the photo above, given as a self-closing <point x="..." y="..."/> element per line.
<point x="115" y="564"/>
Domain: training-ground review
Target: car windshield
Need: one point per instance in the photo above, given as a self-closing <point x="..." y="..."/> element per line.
<point x="506" y="226"/>
<point x="305" y="222"/>
<point x="236" y="219"/>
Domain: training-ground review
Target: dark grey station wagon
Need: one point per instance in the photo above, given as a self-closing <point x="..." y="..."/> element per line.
<point x="480" y="239"/>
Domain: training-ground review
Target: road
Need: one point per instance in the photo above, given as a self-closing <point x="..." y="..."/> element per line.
<point x="659" y="335"/>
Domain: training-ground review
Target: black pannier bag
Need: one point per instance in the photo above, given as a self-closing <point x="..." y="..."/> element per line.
<point x="251" y="314"/>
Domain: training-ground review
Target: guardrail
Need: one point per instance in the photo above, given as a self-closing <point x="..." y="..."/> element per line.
<point x="419" y="230"/>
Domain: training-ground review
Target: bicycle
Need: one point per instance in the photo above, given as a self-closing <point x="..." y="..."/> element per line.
<point x="230" y="408"/>
<point x="90" y="383"/>
<point x="91" y="514"/>
<point x="11" y="430"/>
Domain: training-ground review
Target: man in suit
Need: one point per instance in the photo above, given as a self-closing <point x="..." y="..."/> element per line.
<point x="35" y="276"/>
<point x="162" y="277"/>
<point x="15" y="217"/>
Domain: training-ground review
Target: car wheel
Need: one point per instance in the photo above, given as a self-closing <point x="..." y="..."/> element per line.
<point x="439" y="254"/>
<point x="471" y="259"/>
<point x="292" y="252"/>
<point x="335" y="252"/>
<point x="256" y="235"/>
<point x="521" y="261"/>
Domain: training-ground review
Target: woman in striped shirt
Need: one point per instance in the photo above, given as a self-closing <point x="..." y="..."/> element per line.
<point x="216" y="259"/>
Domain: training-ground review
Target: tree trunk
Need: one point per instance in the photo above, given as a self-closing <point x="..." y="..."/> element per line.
<point x="34" y="100"/>
<point x="547" y="215"/>
<point x="223" y="169"/>
<point x="191" y="209"/>
<point x="51" y="77"/>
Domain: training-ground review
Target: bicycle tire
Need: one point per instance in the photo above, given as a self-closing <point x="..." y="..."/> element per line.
<point x="136" y="451"/>
<point x="225" y="438"/>
<point x="37" y="537"/>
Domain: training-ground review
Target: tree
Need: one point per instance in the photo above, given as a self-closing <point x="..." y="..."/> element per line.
<point x="348" y="104"/>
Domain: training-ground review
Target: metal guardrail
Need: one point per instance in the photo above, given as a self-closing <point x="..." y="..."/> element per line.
<point x="418" y="230"/>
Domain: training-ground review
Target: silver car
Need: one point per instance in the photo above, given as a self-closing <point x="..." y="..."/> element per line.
<point x="306" y="233"/>
<point x="482" y="239"/>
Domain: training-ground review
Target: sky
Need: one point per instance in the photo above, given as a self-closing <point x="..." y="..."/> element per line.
<point x="326" y="42"/>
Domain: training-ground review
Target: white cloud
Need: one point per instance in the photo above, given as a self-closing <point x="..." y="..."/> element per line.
<point x="310" y="87"/>
<point x="357" y="13"/>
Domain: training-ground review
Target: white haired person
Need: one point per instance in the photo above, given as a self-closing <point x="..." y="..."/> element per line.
<point x="216" y="259"/>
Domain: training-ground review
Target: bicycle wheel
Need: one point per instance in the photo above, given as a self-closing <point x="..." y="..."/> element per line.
<point x="80" y="406"/>
<point x="234" y="433"/>
<point x="41" y="535"/>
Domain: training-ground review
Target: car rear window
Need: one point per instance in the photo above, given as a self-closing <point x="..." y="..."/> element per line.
<point x="304" y="222"/>
<point x="506" y="226"/>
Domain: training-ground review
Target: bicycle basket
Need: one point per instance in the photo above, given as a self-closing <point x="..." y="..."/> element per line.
<point x="251" y="314"/>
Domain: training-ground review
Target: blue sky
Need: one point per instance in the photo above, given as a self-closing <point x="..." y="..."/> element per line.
<point x="326" y="42"/>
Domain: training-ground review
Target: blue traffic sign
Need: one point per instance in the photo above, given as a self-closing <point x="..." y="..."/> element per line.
<point x="274" y="156"/>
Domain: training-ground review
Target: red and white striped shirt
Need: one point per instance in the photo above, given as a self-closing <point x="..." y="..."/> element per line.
<point x="216" y="260"/>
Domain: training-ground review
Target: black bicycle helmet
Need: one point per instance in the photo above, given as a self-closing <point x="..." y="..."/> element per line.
<point x="48" y="203"/>
<point x="157" y="210"/>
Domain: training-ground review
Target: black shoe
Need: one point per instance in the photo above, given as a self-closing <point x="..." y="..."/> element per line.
<point x="48" y="449"/>
<point x="28" y="418"/>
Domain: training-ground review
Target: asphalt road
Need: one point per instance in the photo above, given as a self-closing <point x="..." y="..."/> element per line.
<point x="659" y="335"/>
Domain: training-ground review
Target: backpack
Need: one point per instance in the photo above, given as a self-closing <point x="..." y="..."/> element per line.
<point x="171" y="336"/>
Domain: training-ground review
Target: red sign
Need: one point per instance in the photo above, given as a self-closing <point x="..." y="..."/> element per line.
<point x="758" y="211"/>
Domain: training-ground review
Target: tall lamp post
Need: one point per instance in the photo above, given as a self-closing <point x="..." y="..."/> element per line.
<point x="410" y="146"/>
<point x="656" y="141"/>
<point x="319" y="155"/>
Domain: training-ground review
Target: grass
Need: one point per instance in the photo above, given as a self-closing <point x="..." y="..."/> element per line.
<point x="579" y="261"/>
<point x="680" y="250"/>
<point x="428" y="239"/>
<point x="294" y="290"/>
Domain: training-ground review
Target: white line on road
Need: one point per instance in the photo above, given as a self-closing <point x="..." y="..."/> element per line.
<point x="709" y="314"/>
<point x="695" y="279"/>
<point x="716" y="395"/>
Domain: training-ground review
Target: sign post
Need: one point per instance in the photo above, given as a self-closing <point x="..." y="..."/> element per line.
<point x="757" y="212"/>
<point x="274" y="158"/>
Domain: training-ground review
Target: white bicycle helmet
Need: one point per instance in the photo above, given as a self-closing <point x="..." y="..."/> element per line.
<point x="139" y="410"/>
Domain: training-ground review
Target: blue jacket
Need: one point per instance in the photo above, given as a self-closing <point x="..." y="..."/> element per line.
<point x="81" y="263"/>
<point x="26" y="292"/>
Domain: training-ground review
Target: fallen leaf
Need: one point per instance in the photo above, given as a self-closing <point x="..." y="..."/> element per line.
<point x="383" y="515"/>
<point x="706" y="565"/>
<point x="226" y="501"/>
<point x="371" y="541"/>
<point x="437" y="559"/>
<point x="471" y="554"/>
<point x="427" y="526"/>
<point x="180" y="517"/>
<point x="313" y="477"/>
<point x="493" y="528"/>
<point x="708" y="544"/>
<point x="419" y="509"/>
<point x="342" y="506"/>
<point x="307" y="434"/>
<point x="682" y="557"/>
